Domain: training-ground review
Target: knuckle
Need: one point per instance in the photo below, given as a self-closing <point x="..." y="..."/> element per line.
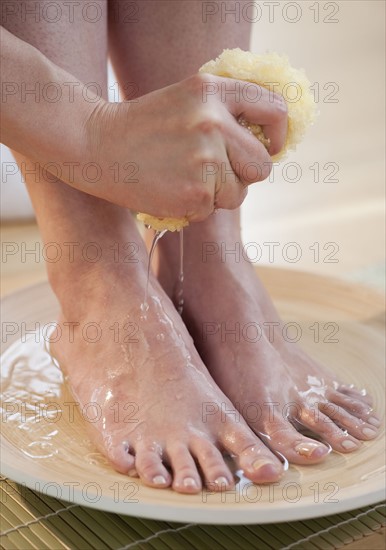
<point x="201" y="195"/>
<point x="147" y="467"/>
<point x="209" y="122"/>
<point x="199" y="84"/>
<point x="211" y="457"/>
<point x="248" y="447"/>
<point x="200" y="201"/>
<point x="206" y="201"/>
<point x="208" y="167"/>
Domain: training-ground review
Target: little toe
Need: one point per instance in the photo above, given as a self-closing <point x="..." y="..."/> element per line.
<point x="148" y="462"/>
<point x="283" y="437"/>
<point x="186" y="478"/>
<point x="354" y="426"/>
<point x="355" y="406"/>
<point x="354" y="392"/>
<point x="217" y="475"/>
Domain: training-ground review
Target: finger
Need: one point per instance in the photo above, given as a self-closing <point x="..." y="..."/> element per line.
<point x="230" y="192"/>
<point x="261" y="106"/>
<point x="219" y="177"/>
<point x="248" y="157"/>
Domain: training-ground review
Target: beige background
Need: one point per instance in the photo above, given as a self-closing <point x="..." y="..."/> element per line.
<point x="350" y="133"/>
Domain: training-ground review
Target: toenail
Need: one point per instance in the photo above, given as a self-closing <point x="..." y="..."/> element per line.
<point x="222" y="481"/>
<point x="260" y="462"/>
<point x="369" y="432"/>
<point x="159" y="480"/>
<point x="348" y="444"/>
<point x="190" y="482"/>
<point x="311" y="449"/>
<point x="374" y="421"/>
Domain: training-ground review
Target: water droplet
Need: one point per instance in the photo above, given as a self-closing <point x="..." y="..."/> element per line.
<point x="144" y="307"/>
<point x="40" y="449"/>
<point x="160" y="337"/>
<point x="95" y="458"/>
<point x="180" y="307"/>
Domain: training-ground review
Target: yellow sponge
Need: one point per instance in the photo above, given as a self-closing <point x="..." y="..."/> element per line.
<point x="159" y="224"/>
<point x="271" y="71"/>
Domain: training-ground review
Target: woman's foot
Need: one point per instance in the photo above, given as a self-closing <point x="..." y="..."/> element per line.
<point x="277" y="387"/>
<point x="157" y="412"/>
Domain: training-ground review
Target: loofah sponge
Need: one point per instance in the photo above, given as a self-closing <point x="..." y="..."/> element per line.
<point x="271" y="71"/>
<point x="159" y="224"/>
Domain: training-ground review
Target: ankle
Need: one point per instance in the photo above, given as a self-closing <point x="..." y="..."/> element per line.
<point x="82" y="287"/>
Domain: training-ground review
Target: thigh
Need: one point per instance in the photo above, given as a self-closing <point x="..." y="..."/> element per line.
<point x="73" y="37"/>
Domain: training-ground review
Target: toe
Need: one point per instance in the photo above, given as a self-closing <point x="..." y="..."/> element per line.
<point x="120" y="458"/>
<point x="332" y="434"/>
<point x="186" y="478"/>
<point x="148" y="462"/>
<point x="216" y="473"/>
<point x="354" y="426"/>
<point x="356" y="407"/>
<point x="258" y="463"/>
<point x="352" y="391"/>
<point x="283" y="437"/>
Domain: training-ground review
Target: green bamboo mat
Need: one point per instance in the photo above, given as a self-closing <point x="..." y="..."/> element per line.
<point x="30" y="520"/>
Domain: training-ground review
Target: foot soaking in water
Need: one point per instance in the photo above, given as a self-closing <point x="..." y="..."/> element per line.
<point x="175" y="150"/>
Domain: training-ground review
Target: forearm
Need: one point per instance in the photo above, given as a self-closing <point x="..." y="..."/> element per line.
<point x="44" y="110"/>
<point x="163" y="153"/>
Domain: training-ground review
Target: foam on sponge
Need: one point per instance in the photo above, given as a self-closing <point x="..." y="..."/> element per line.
<point x="271" y="71"/>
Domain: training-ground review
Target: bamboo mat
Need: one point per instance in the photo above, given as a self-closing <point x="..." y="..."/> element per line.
<point x="30" y="520"/>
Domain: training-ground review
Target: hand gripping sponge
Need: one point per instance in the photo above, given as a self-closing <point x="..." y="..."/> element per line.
<point x="271" y="71"/>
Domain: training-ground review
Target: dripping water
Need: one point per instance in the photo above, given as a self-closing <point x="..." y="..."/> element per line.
<point x="158" y="235"/>
<point x="180" y="283"/>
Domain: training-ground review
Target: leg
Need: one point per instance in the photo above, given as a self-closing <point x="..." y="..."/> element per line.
<point x="269" y="373"/>
<point x="169" y="42"/>
<point x="139" y="361"/>
<point x="271" y="370"/>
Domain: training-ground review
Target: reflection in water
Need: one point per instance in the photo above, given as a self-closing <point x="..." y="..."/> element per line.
<point x="42" y="419"/>
<point x="37" y="407"/>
